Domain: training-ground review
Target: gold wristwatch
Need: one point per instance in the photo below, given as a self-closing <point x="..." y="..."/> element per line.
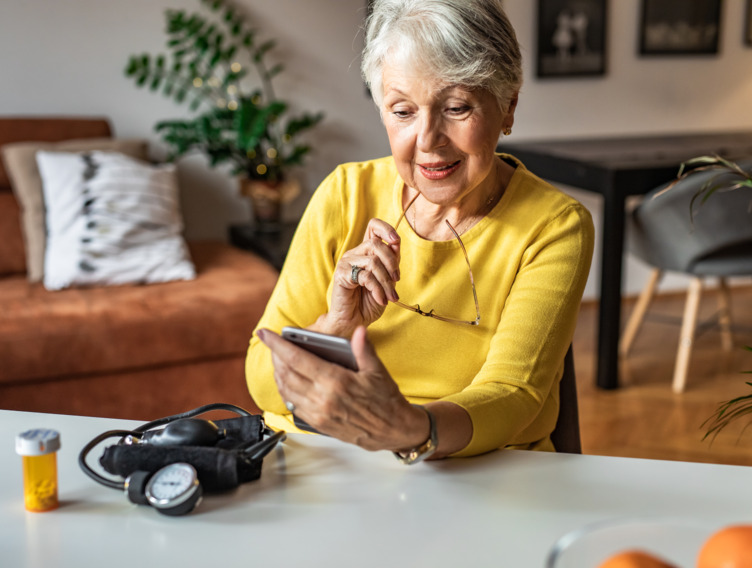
<point x="427" y="448"/>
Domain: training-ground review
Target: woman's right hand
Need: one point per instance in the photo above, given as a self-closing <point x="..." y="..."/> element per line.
<point x="362" y="302"/>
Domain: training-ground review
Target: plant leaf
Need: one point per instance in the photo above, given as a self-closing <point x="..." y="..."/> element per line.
<point x="155" y="83"/>
<point x="306" y="121"/>
<point x="274" y="71"/>
<point x="132" y="67"/>
<point x="263" y="49"/>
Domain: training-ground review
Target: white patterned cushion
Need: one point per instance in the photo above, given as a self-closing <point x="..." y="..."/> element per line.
<point x="111" y="220"/>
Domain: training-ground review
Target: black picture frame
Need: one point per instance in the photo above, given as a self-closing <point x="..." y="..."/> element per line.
<point x="680" y="27"/>
<point x="571" y="38"/>
<point x="748" y="24"/>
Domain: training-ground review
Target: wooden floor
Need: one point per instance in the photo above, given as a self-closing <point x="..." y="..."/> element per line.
<point x="645" y="418"/>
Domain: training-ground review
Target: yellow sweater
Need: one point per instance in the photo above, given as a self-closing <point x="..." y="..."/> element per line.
<point x="530" y="258"/>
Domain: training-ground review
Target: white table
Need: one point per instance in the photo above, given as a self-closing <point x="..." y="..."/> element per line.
<point x="323" y="503"/>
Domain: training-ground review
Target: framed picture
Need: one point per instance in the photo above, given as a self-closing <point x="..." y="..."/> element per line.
<point x="748" y="24"/>
<point x="680" y="27"/>
<point x="571" y="38"/>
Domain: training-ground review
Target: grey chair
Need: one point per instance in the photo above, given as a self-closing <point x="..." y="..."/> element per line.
<point x="566" y="434"/>
<point x="716" y="243"/>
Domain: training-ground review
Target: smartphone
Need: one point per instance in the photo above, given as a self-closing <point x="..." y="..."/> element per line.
<point x="329" y="347"/>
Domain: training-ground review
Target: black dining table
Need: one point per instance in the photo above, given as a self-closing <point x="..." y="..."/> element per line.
<point x="615" y="168"/>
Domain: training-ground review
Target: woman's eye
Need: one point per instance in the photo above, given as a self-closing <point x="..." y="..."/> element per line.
<point x="401" y="113"/>
<point x="458" y="110"/>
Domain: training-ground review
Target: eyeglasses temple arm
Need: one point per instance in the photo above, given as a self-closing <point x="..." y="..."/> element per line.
<point x="469" y="270"/>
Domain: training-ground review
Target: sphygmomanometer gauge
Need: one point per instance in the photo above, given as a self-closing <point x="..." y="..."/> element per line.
<point x="174" y="489"/>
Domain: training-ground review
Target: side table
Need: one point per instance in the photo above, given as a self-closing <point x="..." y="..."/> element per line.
<point x="269" y="242"/>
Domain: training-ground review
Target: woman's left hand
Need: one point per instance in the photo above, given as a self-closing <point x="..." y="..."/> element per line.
<point x="363" y="407"/>
<point x="375" y="265"/>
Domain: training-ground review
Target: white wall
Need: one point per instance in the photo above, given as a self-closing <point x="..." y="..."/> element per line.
<point x="67" y="57"/>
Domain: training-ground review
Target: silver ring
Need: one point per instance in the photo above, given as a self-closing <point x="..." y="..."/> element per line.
<point x="290" y="406"/>
<point x="354" y="273"/>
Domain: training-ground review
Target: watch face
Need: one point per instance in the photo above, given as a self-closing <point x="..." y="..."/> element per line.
<point x="173" y="485"/>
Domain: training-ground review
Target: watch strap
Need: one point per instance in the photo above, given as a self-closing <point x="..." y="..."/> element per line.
<point x="427" y="448"/>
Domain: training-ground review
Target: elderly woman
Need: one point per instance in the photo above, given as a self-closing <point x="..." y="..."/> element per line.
<point x="454" y="271"/>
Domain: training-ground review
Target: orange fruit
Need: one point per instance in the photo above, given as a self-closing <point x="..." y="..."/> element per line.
<point x="729" y="547"/>
<point x="634" y="559"/>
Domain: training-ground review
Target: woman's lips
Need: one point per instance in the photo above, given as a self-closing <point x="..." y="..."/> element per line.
<point x="439" y="170"/>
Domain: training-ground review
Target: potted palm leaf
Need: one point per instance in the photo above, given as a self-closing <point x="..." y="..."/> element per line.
<point x="729" y="411"/>
<point x="213" y="60"/>
<point x="730" y="177"/>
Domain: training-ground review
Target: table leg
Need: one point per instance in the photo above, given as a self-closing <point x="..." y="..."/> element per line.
<point x="607" y="365"/>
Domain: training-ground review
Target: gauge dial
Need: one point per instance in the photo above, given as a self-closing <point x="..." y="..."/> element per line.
<point x="174" y="489"/>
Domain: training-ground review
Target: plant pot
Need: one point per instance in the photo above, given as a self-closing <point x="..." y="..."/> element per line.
<point x="267" y="198"/>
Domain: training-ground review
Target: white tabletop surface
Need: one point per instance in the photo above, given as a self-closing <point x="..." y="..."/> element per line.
<point x="320" y="502"/>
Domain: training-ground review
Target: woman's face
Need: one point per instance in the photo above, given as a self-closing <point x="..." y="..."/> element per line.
<point x="443" y="138"/>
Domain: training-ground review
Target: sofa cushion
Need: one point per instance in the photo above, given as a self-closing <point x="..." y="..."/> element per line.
<point x="111" y="220"/>
<point x="97" y="330"/>
<point x="20" y="163"/>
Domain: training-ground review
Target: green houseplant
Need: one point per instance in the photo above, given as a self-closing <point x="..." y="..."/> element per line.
<point x="730" y="177"/>
<point x="218" y="67"/>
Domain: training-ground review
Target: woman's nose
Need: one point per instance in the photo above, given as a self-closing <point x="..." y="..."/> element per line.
<point x="430" y="133"/>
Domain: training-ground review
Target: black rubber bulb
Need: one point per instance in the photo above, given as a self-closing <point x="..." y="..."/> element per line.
<point x="185" y="432"/>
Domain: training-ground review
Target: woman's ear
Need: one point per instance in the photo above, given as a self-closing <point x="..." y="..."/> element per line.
<point x="509" y="114"/>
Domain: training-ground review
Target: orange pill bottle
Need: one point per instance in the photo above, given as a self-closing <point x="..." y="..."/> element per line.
<point x="39" y="451"/>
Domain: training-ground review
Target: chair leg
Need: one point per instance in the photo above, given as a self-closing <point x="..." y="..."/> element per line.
<point x="724" y="315"/>
<point x="638" y="314"/>
<point x="686" y="338"/>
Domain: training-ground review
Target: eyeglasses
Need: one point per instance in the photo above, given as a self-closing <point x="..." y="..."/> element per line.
<point x="430" y="314"/>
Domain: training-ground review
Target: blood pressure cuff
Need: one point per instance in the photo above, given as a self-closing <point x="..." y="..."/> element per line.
<point x="220" y="468"/>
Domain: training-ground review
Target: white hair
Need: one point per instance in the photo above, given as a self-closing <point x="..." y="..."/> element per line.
<point x="469" y="43"/>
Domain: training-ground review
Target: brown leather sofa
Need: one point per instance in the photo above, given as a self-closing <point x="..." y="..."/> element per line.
<point x="131" y="351"/>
